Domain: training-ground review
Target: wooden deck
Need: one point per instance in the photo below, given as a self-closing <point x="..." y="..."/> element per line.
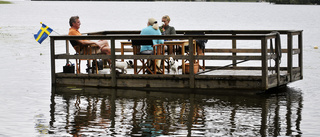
<point x="268" y="71"/>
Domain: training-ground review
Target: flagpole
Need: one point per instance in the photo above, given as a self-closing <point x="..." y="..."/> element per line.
<point x="52" y="30"/>
<point x="56" y="32"/>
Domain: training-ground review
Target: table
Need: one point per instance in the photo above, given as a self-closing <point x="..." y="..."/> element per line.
<point x="181" y="43"/>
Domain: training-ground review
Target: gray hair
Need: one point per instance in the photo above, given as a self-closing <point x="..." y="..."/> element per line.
<point x="73" y="20"/>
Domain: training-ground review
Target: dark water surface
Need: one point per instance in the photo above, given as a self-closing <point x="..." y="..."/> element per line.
<point x="105" y="112"/>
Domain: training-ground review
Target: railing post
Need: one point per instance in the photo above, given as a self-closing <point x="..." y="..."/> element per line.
<point x="113" y="61"/>
<point x="67" y="50"/>
<point x="53" y="64"/>
<point x="290" y="55"/>
<point x="191" y="62"/>
<point x="264" y="64"/>
<point x="300" y="46"/>
<point x="234" y="47"/>
<point x="277" y="61"/>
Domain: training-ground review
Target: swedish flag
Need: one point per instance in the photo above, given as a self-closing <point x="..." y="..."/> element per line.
<point x="43" y="33"/>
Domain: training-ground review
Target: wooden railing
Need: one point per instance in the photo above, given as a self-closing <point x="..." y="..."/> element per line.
<point x="234" y="35"/>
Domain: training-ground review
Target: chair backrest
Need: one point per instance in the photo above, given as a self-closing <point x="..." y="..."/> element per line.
<point x="142" y="42"/>
<point x="137" y="43"/>
<point x="74" y="43"/>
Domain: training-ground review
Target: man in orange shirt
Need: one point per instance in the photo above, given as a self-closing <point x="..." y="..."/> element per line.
<point x="103" y="45"/>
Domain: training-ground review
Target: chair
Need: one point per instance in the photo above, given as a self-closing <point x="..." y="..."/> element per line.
<point x="200" y="47"/>
<point x="146" y="66"/>
<point x="84" y="50"/>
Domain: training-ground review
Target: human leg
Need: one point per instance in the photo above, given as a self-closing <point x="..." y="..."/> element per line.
<point x="105" y="49"/>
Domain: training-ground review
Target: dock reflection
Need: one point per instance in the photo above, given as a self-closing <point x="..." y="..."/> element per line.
<point x="92" y="111"/>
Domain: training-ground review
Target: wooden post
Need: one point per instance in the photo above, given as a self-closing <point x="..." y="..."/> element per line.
<point x="264" y="64"/>
<point x="67" y="47"/>
<point x="122" y="50"/>
<point x="277" y="61"/>
<point x="53" y="64"/>
<point x="290" y="55"/>
<point x="134" y="60"/>
<point x="183" y="47"/>
<point x="300" y="46"/>
<point x="113" y="66"/>
<point x="191" y="63"/>
<point x="67" y="50"/>
<point x="234" y="47"/>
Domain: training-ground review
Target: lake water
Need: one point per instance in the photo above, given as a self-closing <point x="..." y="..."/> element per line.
<point x="29" y="109"/>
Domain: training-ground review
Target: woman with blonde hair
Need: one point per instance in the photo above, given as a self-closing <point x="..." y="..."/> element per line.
<point x="165" y="28"/>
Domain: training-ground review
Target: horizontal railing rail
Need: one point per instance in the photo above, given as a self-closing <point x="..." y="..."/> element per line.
<point x="295" y="32"/>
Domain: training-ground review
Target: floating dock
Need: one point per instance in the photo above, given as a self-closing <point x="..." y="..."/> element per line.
<point x="232" y="59"/>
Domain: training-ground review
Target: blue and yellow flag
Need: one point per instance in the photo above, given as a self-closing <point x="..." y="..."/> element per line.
<point x="43" y="33"/>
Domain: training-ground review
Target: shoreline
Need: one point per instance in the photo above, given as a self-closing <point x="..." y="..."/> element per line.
<point x="290" y="2"/>
<point x="5" y="2"/>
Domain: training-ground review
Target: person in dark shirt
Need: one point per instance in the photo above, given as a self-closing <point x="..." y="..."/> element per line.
<point x="165" y="28"/>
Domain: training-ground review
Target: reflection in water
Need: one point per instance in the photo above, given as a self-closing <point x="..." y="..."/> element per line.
<point x="92" y="111"/>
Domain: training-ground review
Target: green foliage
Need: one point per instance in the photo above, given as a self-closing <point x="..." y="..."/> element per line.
<point x="295" y="1"/>
<point x="5" y="2"/>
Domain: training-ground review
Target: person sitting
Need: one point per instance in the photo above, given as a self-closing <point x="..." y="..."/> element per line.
<point x="101" y="45"/>
<point x="168" y="30"/>
<point x="151" y="29"/>
<point x="165" y="28"/>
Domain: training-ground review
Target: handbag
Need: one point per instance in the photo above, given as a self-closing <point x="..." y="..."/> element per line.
<point x="68" y="68"/>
